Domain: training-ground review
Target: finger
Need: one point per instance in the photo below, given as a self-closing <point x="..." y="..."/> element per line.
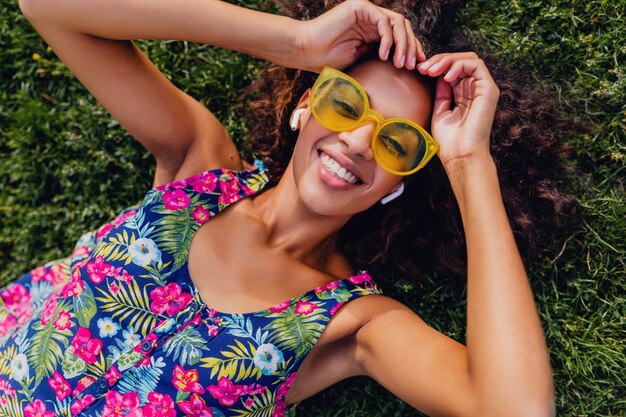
<point x="386" y="36"/>
<point x="430" y="62"/>
<point x="413" y="51"/>
<point x="421" y="56"/>
<point x="400" y="39"/>
<point x="443" y="97"/>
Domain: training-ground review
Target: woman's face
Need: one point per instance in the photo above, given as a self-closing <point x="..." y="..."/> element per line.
<point x="393" y="93"/>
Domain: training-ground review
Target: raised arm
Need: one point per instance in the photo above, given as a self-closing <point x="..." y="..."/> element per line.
<point x="94" y="39"/>
<point x="505" y="368"/>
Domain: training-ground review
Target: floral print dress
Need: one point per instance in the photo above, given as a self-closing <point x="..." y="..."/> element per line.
<point x="118" y="328"/>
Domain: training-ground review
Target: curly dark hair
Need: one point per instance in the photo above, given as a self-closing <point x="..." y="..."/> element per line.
<point x="422" y="231"/>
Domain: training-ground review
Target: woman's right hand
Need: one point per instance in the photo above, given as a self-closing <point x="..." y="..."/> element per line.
<point x="341" y="35"/>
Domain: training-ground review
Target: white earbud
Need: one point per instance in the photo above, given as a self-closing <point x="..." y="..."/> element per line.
<point x="392" y="196"/>
<point x="296" y="118"/>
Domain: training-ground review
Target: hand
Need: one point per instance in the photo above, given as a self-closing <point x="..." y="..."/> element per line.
<point x="463" y="130"/>
<point x="340" y="36"/>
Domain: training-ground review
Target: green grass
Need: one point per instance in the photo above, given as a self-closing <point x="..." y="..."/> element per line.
<point x="68" y="167"/>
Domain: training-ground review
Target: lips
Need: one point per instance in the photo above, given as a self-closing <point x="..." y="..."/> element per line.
<point x="340" y="167"/>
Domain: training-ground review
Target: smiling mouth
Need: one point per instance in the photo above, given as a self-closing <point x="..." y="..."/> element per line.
<point x="338" y="171"/>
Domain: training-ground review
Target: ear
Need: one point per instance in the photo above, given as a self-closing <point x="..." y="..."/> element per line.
<point x="303" y="103"/>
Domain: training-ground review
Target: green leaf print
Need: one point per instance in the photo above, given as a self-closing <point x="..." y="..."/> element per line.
<point x="186" y="347"/>
<point x="128" y="359"/>
<point x="175" y="230"/>
<point x="263" y="406"/>
<point x="116" y="247"/>
<point x="130" y="305"/>
<point x="85" y="306"/>
<point x="256" y="181"/>
<point x="238" y="358"/>
<point x="72" y="365"/>
<point x="6" y="356"/>
<point x="142" y="380"/>
<point x="296" y="332"/>
<point x="47" y="348"/>
<point x="340" y="294"/>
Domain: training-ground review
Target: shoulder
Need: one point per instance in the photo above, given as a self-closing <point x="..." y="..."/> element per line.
<point x="211" y="150"/>
<point x="367" y="308"/>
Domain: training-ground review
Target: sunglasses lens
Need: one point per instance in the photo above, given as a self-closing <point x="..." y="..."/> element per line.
<point x="338" y="104"/>
<point x="399" y="146"/>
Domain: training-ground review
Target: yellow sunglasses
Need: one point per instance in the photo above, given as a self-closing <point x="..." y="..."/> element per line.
<point x="340" y="103"/>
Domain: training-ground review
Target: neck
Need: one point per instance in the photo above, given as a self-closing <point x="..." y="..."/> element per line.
<point x="294" y="228"/>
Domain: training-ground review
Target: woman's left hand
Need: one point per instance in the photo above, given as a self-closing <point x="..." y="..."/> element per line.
<point x="465" y="104"/>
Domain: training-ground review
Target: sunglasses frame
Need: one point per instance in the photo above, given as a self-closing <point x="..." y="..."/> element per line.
<point x="329" y="73"/>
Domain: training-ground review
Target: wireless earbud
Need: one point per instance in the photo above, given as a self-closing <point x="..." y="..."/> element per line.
<point x="296" y="118"/>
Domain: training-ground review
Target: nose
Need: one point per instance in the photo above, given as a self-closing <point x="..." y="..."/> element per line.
<point x="359" y="140"/>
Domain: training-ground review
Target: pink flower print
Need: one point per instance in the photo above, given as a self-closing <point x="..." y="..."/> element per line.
<point x="284" y="387"/>
<point x="37" y="274"/>
<point x="5" y="386"/>
<point x="125" y="276"/>
<point x="175" y="199"/>
<point x="122" y="405"/>
<point x="37" y="409"/>
<point x="248" y="402"/>
<point x="103" y="231"/>
<point x="7" y="324"/>
<point x="212" y="313"/>
<point x="305" y="307"/>
<point x="25" y="316"/>
<point x="328" y="287"/>
<point x="79" y="405"/>
<point x="82" y="384"/>
<point x="160" y="405"/>
<point x="229" y="191"/>
<point x="16" y="299"/>
<point x="204" y="182"/>
<point x="49" y="308"/>
<point x="226" y="392"/>
<point x="80" y="251"/>
<point x="74" y="287"/>
<point x="112" y="375"/>
<point x="59" y="385"/>
<point x="100" y="269"/>
<point x="280" y="307"/>
<point x="63" y="321"/>
<point x="280" y="410"/>
<point x="86" y="347"/>
<point x="178" y="184"/>
<point x="55" y="275"/>
<point x="123" y="217"/>
<point x="169" y="299"/>
<point x="213" y="330"/>
<point x="336" y="307"/>
<point x="195" y="407"/>
<point x="186" y="381"/>
<point x="360" y="278"/>
<point x="114" y="288"/>
<point x="201" y="215"/>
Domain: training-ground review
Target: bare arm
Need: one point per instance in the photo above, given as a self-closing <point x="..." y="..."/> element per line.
<point x="505" y="369"/>
<point x="94" y="39"/>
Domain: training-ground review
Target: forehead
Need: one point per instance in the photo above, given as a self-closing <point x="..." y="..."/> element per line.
<point x="394" y="92"/>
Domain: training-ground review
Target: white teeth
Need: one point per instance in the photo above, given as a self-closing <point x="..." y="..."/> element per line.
<point x="339" y="171"/>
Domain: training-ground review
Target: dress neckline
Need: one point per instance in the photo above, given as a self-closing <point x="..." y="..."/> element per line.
<point x="354" y="280"/>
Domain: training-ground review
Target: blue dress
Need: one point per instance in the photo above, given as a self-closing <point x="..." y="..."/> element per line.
<point x="119" y="329"/>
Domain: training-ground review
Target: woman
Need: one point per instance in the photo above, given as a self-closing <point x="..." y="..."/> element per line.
<point x="142" y="320"/>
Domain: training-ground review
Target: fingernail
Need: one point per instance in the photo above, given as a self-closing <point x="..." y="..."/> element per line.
<point x="402" y="58"/>
<point x="435" y="66"/>
<point x="413" y="62"/>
